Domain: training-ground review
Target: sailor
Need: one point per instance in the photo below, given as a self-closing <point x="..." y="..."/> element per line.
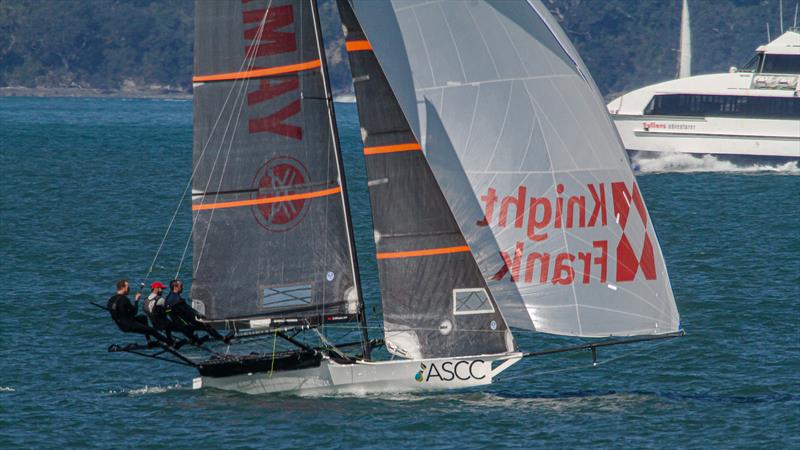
<point x="155" y="308"/>
<point x="124" y="313"/>
<point x="184" y="317"/>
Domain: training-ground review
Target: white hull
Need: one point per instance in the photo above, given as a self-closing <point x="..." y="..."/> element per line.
<point x="767" y="138"/>
<point x="360" y="377"/>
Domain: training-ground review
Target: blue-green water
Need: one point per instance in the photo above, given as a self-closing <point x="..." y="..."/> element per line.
<point x="86" y="193"/>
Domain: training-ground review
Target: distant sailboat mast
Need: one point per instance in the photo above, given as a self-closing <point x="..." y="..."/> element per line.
<point x="685" y="62"/>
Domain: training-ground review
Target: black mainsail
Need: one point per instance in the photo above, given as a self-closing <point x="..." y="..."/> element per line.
<point x="435" y="300"/>
<point x="272" y="244"/>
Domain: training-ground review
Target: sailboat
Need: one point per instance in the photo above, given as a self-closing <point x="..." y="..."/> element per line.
<point x="502" y="199"/>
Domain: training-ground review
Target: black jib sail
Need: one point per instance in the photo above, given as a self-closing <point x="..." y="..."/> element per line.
<point x="272" y="245"/>
<point x="435" y="300"/>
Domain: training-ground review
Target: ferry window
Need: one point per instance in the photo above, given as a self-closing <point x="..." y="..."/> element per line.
<point x="782" y="64"/>
<point x="693" y="105"/>
<point x="754" y="63"/>
<point x="471" y="301"/>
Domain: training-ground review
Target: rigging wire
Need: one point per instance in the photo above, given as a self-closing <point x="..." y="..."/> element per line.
<point x="200" y="158"/>
<point x="243" y="85"/>
<point x="593" y="364"/>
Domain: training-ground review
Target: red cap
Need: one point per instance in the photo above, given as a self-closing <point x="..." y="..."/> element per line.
<point x="157" y="284"/>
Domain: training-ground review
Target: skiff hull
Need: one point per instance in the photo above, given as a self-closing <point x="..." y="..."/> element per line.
<point x="364" y="377"/>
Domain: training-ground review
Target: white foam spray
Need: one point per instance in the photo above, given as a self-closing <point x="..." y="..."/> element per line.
<point x="684" y="162"/>
<point x="147" y="390"/>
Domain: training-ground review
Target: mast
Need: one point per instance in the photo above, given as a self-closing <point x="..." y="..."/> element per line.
<point x="340" y="167"/>
<point x="685" y="61"/>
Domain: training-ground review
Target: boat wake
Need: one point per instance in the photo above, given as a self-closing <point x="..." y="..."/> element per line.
<point x="148" y="390"/>
<point x="7" y="389"/>
<point x="684" y="162"/>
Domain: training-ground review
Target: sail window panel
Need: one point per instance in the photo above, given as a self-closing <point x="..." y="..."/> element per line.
<point x="471" y="301"/>
<point x="286" y="296"/>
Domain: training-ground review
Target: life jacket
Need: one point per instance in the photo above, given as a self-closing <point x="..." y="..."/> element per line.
<point x="156" y="310"/>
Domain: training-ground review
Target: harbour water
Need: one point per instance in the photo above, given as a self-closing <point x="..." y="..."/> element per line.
<point x="87" y="189"/>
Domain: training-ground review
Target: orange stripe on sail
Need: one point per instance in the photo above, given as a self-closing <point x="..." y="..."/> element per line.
<point x="266" y="200"/>
<point x="255" y="73"/>
<point x="426" y="252"/>
<point x="357" y="46"/>
<point x="411" y="146"/>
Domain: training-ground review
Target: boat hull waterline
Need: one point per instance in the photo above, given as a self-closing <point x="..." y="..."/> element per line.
<point x="364" y="377"/>
<point x="775" y="140"/>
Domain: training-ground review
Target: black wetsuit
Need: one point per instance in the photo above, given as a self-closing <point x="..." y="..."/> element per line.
<point x="184" y="318"/>
<point x="124" y="315"/>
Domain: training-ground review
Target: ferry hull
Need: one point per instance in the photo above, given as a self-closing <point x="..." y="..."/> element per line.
<point x="363" y="377"/>
<point x="771" y="141"/>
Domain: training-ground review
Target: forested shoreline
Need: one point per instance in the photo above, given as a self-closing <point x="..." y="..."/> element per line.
<point x="144" y="47"/>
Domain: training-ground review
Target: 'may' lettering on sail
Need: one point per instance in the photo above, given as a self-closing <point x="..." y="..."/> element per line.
<point x="276" y="37"/>
<point x="540" y="216"/>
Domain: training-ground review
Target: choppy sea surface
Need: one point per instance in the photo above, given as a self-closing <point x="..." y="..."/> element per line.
<point x="86" y="191"/>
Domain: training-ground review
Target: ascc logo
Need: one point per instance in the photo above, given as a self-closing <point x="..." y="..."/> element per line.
<point x="450" y="371"/>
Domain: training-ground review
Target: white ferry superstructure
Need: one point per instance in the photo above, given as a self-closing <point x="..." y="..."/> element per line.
<point x="752" y="113"/>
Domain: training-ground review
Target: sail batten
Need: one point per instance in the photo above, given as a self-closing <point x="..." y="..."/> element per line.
<point x="519" y="142"/>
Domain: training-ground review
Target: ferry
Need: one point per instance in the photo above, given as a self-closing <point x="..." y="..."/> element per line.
<point x="750" y="114"/>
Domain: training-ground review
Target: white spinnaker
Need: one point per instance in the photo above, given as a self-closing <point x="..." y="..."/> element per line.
<point x="511" y="122"/>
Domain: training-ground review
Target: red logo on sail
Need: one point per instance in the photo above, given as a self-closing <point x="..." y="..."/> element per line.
<point x="588" y="208"/>
<point x="279" y="177"/>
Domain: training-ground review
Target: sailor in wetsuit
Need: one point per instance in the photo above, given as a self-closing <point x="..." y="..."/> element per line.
<point x="124" y="314"/>
<point x="184" y="317"/>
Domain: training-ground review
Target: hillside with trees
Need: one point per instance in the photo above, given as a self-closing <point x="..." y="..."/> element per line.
<point x="146" y="45"/>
